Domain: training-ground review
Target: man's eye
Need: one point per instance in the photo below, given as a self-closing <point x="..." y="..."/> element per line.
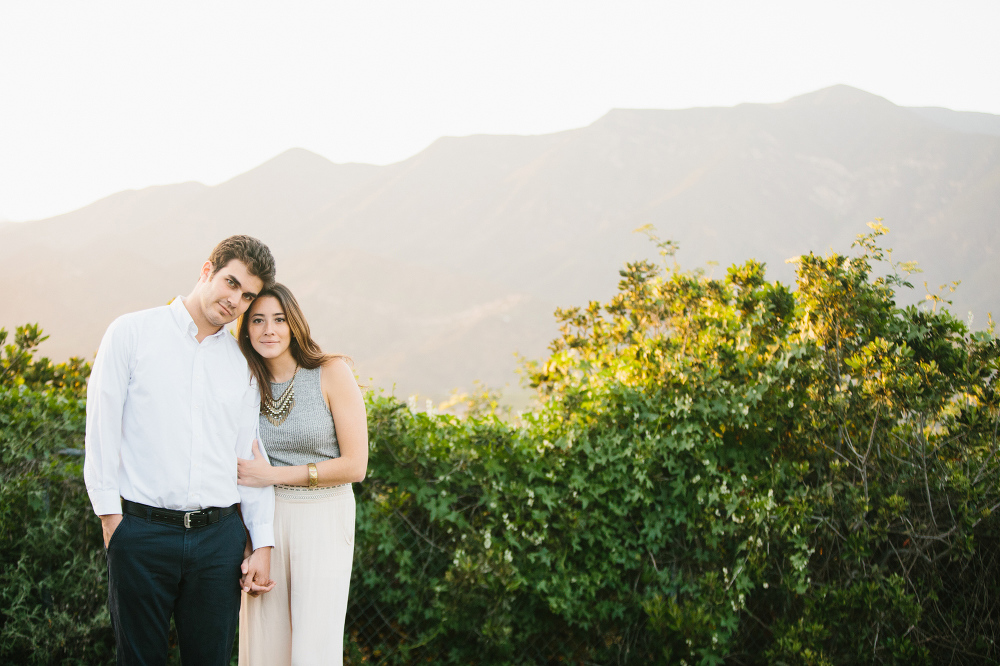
<point x="230" y="282"/>
<point x="247" y="297"/>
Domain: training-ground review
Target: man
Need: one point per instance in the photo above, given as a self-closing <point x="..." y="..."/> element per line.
<point x="170" y="407"/>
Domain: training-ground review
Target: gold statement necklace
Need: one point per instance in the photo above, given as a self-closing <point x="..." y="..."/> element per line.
<point x="276" y="410"/>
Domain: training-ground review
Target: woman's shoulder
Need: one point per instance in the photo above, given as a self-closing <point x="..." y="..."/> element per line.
<point x="334" y="363"/>
<point x="336" y="370"/>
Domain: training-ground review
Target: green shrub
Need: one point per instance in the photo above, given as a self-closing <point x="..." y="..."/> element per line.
<point x="718" y="470"/>
<point x="53" y="588"/>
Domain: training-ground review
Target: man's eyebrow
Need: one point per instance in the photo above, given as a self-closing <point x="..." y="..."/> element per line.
<point x="249" y="294"/>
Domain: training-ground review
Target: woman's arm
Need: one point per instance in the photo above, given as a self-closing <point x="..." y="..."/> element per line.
<point x="343" y="397"/>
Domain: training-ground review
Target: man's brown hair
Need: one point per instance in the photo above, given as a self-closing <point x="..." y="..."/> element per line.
<point x="254" y="255"/>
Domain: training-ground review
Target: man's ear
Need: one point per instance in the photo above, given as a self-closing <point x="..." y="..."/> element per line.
<point x="206" y="272"/>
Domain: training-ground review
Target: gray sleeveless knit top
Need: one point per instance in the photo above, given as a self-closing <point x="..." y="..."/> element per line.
<point x="307" y="435"/>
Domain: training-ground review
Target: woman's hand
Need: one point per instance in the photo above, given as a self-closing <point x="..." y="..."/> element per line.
<point x="255" y="473"/>
<point x="256" y="570"/>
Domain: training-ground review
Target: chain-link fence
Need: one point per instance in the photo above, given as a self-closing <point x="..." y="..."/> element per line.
<point x="378" y="634"/>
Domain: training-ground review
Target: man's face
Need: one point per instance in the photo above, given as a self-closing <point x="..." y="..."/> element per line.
<point x="227" y="294"/>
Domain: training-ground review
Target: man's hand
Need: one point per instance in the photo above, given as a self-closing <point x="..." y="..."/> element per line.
<point x="254" y="472"/>
<point x="110" y="523"/>
<point x="256" y="569"/>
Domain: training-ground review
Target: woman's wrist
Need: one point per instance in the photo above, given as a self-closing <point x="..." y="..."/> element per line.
<point x="273" y="476"/>
<point x="295" y="475"/>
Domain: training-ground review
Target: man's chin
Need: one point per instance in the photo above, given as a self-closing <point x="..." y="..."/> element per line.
<point x="223" y="317"/>
<point x="220" y="320"/>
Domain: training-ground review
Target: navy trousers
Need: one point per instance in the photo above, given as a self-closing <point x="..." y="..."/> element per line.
<point x="156" y="570"/>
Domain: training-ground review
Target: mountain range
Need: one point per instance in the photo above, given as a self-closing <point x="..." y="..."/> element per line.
<point x="432" y="272"/>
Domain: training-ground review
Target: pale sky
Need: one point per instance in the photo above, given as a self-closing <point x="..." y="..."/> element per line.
<point x="103" y="96"/>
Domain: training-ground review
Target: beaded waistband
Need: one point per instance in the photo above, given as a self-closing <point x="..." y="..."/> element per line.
<point x="305" y="493"/>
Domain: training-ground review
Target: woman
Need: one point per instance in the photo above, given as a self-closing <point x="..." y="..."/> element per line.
<point x="314" y="429"/>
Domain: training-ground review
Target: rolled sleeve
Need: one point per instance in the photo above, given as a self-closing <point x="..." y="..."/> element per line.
<point x="256" y="504"/>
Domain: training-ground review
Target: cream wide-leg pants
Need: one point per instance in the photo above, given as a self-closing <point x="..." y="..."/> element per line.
<point x="301" y="621"/>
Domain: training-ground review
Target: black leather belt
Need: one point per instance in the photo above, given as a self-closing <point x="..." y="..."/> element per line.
<point x="186" y="519"/>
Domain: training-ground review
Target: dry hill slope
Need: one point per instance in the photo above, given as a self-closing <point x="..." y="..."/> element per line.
<point x="431" y="272"/>
<point x="552" y="215"/>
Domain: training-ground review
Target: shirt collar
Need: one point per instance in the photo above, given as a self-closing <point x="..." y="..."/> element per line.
<point x="184" y="321"/>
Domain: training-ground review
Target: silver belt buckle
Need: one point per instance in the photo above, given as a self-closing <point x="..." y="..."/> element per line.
<point x="187" y="519"/>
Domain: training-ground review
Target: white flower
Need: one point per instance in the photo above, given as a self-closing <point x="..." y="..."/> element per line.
<point x="507" y="556"/>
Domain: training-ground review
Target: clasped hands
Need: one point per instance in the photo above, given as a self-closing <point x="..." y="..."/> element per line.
<point x="256" y="570"/>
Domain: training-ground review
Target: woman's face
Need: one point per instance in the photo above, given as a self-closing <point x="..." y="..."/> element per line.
<point x="268" y="328"/>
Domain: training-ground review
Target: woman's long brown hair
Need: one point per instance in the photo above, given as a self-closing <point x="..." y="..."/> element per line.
<point x="304" y="349"/>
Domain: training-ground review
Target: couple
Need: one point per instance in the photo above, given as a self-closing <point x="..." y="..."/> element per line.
<point x="190" y="505"/>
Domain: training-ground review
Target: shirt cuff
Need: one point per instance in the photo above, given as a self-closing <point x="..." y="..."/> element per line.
<point x="106" y="502"/>
<point x="261" y="535"/>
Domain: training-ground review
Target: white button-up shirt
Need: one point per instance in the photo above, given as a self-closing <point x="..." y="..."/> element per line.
<point x="167" y="417"/>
